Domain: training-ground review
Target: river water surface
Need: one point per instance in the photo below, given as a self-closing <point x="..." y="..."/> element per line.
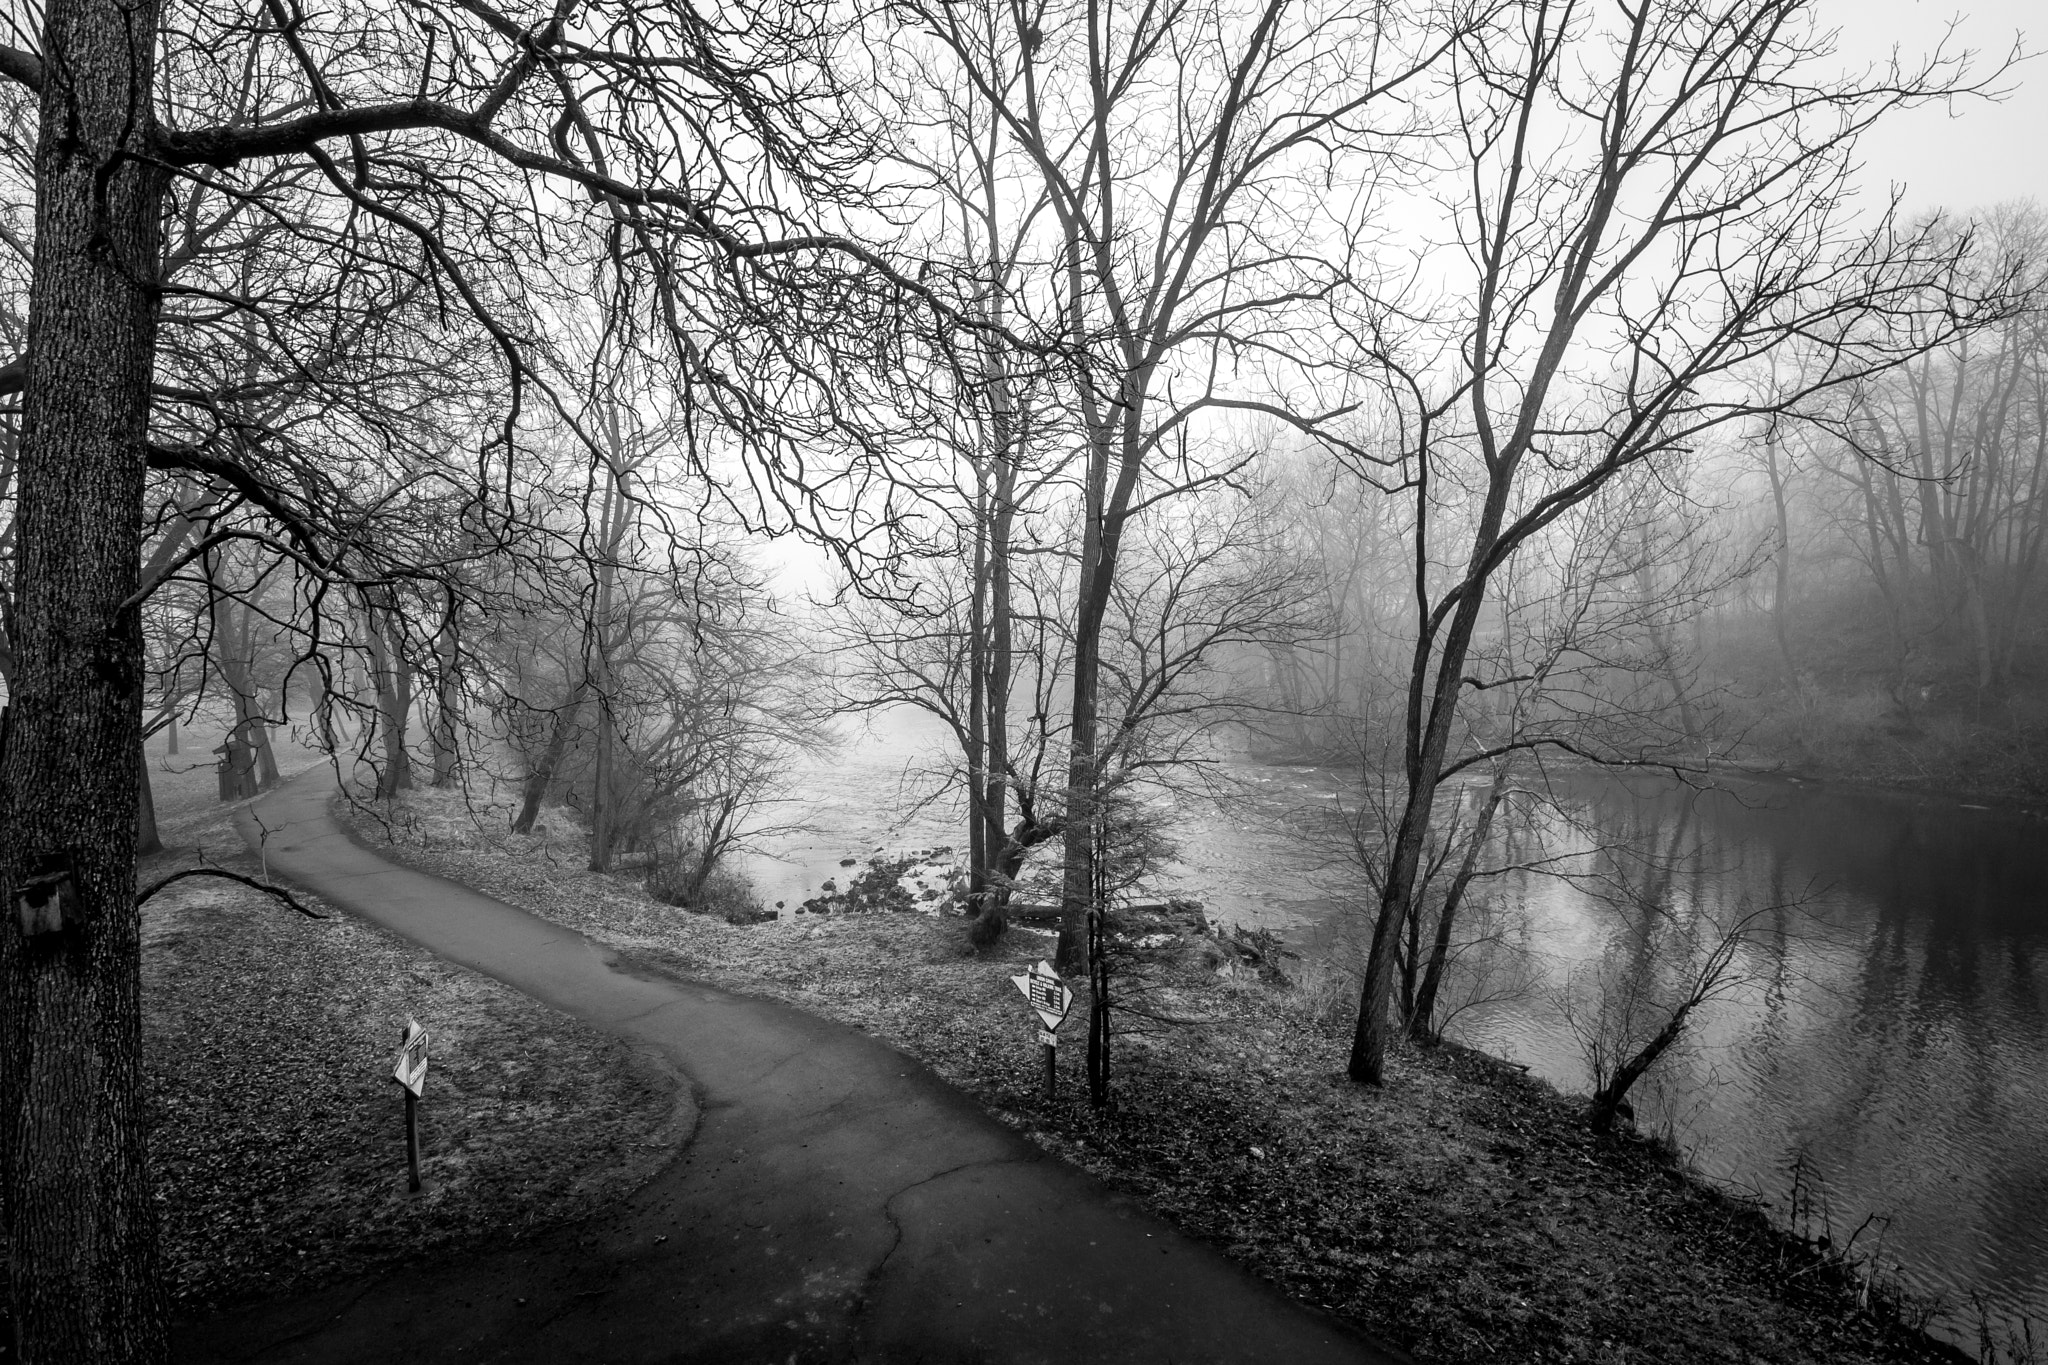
<point x="1887" y="1033"/>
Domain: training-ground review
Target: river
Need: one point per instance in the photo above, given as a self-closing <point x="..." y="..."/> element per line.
<point x="1886" y="1034"/>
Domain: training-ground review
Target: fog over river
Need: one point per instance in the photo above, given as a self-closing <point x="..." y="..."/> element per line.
<point x="1889" y="1032"/>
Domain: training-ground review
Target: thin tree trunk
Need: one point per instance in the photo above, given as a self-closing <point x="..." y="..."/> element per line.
<point x="447" y="703"/>
<point x="81" y="1227"/>
<point x="979" y="852"/>
<point x="615" y="514"/>
<point x="1102" y="532"/>
<point x="995" y="878"/>
<point x="1421" y="1023"/>
<point x="1781" y="601"/>
<point x="1077" y="892"/>
<point x="603" y="801"/>
<point x="147" y="842"/>
<point x="1429" y="737"/>
<point x="392" y="676"/>
<point x="1410" y="966"/>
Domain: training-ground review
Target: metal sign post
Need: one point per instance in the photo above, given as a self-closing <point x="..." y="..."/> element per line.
<point x="1050" y="1000"/>
<point x="410" y="1071"/>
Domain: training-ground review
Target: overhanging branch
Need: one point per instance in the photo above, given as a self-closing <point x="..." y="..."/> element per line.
<point x="279" y="892"/>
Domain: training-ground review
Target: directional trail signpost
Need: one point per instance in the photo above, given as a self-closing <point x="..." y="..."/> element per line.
<point x="410" y="1071"/>
<point x="1050" y="1000"/>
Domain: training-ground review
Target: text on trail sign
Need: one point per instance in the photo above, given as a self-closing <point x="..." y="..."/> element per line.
<point x="411" y="1068"/>
<point x="1048" y="994"/>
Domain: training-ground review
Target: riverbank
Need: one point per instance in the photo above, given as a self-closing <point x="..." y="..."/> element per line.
<point x="277" y="1141"/>
<point x="1942" y="749"/>
<point x="1463" y="1211"/>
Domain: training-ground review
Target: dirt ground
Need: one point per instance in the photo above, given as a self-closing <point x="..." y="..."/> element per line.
<point x="1463" y="1211"/>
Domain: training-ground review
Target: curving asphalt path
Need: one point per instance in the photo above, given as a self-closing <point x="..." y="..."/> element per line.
<point x="836" y="1201"/>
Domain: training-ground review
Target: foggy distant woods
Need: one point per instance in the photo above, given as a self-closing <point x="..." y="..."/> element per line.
<point x="1446" y="389"/>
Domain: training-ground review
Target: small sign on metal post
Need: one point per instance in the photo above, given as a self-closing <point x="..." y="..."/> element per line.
<point x="410" y="1071"/>
<point x="1050" y="999"/>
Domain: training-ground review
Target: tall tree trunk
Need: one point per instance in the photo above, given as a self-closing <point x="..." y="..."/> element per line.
<point x="992" y="881"/>
<point x="171" y="739"/>
<point x="979" y="850"/>
<point x="447" y="703"/>
<point x="81" y="1229"/>
<point x="392" y="676"/>
<point x="996" y="781"/>
<point x="616" y="518"/>
<point x="1077" y="892"/>
<point x="604" y="814"/>
<point x="1781" y="599"/>
<point x="1115" y="428"/>
<point x="1432" y="710"/>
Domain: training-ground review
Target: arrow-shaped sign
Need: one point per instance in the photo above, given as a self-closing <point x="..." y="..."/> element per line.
<point x="411" y="1069"/>
<point x="1048" y="994"/>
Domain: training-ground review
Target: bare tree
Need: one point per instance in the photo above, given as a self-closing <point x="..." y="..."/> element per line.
<point x="384" y="156"/>
<point x="1650" y="200"/>
<point x="1629" y="1008"/>
<point x="1177" y="261"/>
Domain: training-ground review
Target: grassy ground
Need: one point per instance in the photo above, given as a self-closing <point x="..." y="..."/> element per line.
<point x="277" y="1132"/>
<point x="1463" y="1211"/>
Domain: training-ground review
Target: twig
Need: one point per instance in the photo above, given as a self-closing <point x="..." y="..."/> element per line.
<point x="287" y="897"/>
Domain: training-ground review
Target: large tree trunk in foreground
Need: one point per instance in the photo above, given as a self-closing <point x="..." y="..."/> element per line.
<point x="81" y="1230"/>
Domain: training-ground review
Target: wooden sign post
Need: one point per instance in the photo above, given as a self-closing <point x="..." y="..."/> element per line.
<point x="1050" y="1000"/>
<point x="411" y="1072"/>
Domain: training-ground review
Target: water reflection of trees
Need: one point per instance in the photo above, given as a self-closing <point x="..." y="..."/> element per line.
<point x="1894" y="1029"/>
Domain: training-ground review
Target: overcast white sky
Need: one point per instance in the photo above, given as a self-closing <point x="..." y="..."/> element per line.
<point x="1981" y="154"/>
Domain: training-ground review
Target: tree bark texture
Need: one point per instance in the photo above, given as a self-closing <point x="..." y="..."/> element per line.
<point x="81" y="1230"/>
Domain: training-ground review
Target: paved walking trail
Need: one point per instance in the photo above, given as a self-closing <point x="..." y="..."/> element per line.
<point x="836" y="1202"/>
